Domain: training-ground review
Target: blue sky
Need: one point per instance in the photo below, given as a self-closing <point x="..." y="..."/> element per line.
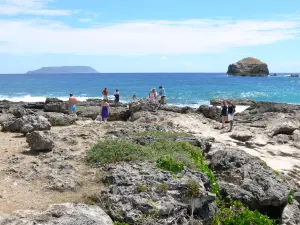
<point x="148" y="35"/>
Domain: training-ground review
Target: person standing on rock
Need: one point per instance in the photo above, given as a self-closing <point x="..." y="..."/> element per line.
<point x="224" y="114"/>
<point x="231" y="111"/>
<point x="105" y="110"/>
<point x="105" y="94"/>
<point x="117" y="96"/>
<point x="163" y="95"/>
<point x="72" y="104"/>
<point x="152" y="94"/>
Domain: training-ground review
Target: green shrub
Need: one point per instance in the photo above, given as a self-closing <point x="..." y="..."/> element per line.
<point x="236" y="214"/>
<point x="170" y="164"/>
<point x="169" y="155"/>
<point x="162" y="188"/>
<point x="161" y="134"/>
<point x="141" y="188"/>
<point x="120" y="223"/>
<point x="291" y="197"/>
<point x="112" y="151"/>
<point x="193" y="188"/>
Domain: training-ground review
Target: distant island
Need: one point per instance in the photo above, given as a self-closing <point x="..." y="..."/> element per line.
<point x="64" y="70"/>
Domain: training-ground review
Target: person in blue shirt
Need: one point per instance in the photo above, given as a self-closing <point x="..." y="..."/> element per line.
<point x="163" y="95"/>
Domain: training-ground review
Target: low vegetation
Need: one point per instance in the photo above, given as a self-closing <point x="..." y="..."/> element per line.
<point x="175" y="157"/>
<point x="169" y="155"/>
<point x="141" y="188"/>
<point x="291" y="197"/>
<point x="120" y="223"/>
<point x="235" y="213"/>
<point x="169" y="163"/>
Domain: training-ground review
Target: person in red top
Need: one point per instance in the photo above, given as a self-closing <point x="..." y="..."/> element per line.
<point x="105" y="93"/>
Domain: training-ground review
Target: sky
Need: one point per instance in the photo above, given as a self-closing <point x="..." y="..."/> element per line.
<point x="148" y="35"/>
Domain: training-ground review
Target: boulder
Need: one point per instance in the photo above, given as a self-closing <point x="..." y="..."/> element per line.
<point x="60" y="214"/>
<point x="283" y="127"/>
<point x="248" y="67"/>
<point x="27" y="124"/>
<point x="248" y="179"/>
<point x="241" y="135"/>
<point x="144" y="117"/>
<point x="210" y="112"/>
<point x="291" y="214"/>
<point x="142" y="105"/>
<point x="139" y="190"/>
<point x="59" y="107"/>
<point x="119" y="114"/>
<point x="60" y="119"/>
<point x="52" y="100"/>
<point x="89" y="111"/>
<point x="40" y="140"/>
<point x="219" y="101"/>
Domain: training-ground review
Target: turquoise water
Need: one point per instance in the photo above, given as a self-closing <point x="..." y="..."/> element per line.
<point x="182" y="88"/>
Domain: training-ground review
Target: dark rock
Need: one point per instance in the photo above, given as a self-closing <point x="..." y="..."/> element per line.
<point x="119" y="114"/>
<point x="210" y="112"/>
<point x="60" y="214"/>
<point x="219" y="101"/>
<point x="247" y="178"/>
<point x="27" y="124"/>
<point x="59" y="107"/>
<point x="248" y="67"/>
<point x="40" y="140"/>
<point x="52" y="100"/>
<point x="164" y="201"/>
<point x="34" y="105"/>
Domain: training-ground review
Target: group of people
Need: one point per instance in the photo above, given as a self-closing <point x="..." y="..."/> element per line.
<point x="227" y="114"/>
<point x="153" y="95"/>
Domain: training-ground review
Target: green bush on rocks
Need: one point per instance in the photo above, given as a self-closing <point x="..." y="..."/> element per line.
<point x="236" y="214"/>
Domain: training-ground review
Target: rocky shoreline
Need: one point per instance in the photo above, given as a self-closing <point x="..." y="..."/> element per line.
<point x="44" y="166"/>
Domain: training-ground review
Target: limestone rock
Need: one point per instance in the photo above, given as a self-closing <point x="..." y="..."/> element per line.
<point x="40" y="140"/>
<point x="60" y="214"/>
<point x="291" y="214"/>
<point x="60" y="119"/>
<point x="27" y="124"/>
<point x="219" y="101"/>
<point x="163" y="199"/>
<point x="247" y="178"/>
<point x="211" y="112"/>
<point x="283" y="127"/>
<point x="241" y="135"/>
<point x="248" y="67"/>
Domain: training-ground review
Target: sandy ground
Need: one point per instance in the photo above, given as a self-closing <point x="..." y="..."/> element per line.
<point x="17" y="193"/>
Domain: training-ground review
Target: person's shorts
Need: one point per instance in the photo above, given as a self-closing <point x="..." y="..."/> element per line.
<point x="73" y="108"/>
<point x="105" y="96"/>
<point x="230" y="117"/>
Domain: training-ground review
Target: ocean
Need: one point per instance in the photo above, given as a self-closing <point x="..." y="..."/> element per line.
<point x="191" y="89"/>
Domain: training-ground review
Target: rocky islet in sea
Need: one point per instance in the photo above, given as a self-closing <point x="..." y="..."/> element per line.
<point x="139" y="191"/>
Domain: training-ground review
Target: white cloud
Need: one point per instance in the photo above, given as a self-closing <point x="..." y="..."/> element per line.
<point x="29" y="7"/>
<point x="141" y="38"/>
<point x="163" y="58"/>
<point x="187" y="63"/>
<point x="85" y="20"/>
